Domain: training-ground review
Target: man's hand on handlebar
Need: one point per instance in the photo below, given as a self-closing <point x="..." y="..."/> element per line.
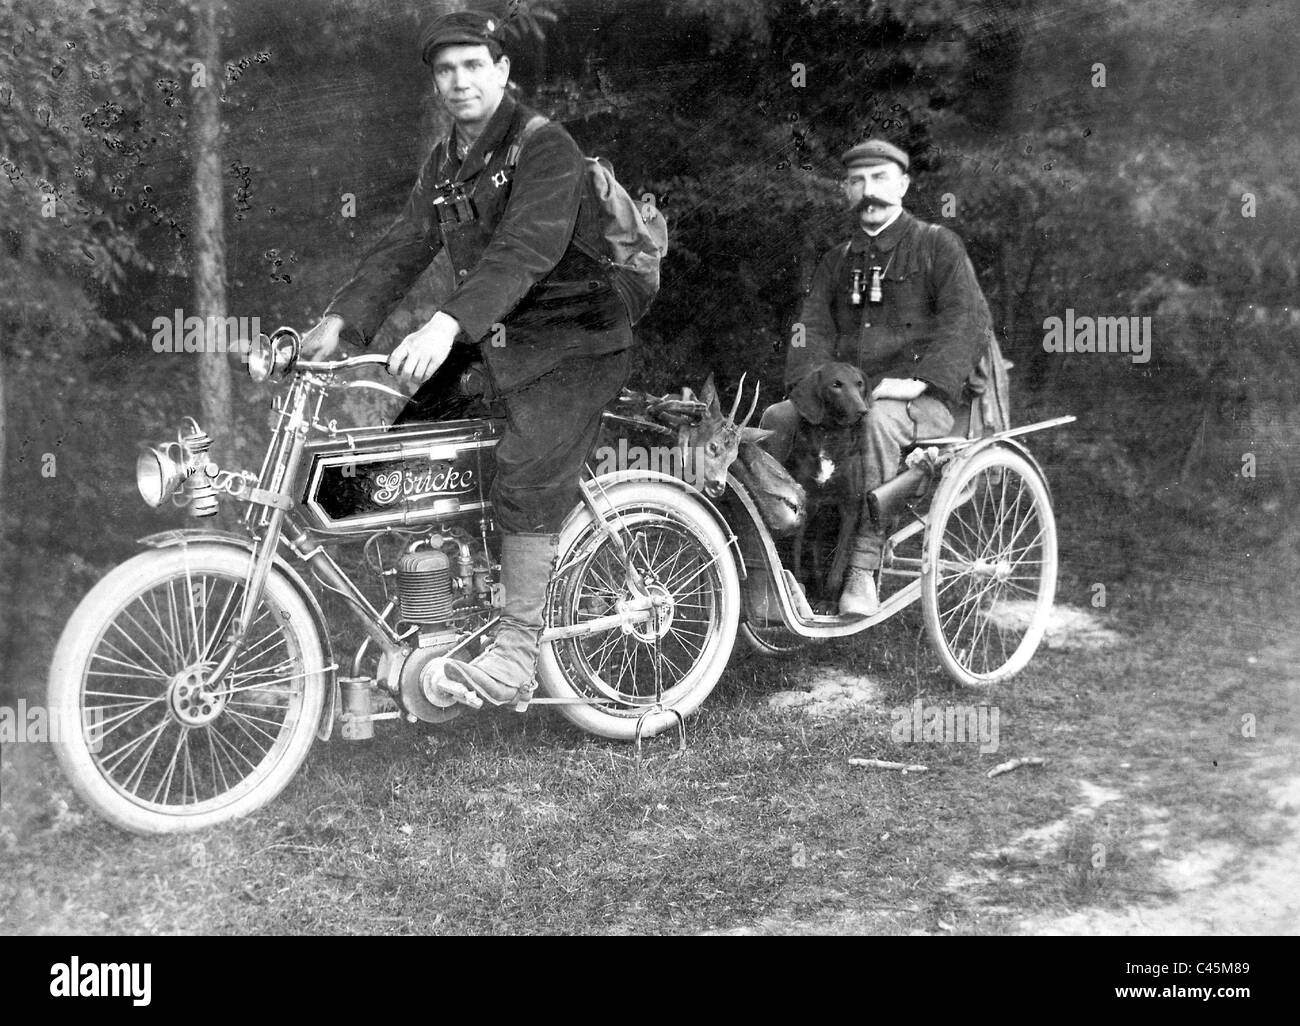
<point x="322" y="341"/>
<point x="422" y="352"/>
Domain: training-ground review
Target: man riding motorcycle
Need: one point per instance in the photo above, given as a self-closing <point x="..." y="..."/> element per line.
<point x="552" y="331"/>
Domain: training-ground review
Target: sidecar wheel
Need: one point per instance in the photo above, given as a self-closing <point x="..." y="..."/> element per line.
<point x="679" y="544"/>
<point x="989" y="570"/>
<point x="774" y="641"/>
<point x="141" y="740"/>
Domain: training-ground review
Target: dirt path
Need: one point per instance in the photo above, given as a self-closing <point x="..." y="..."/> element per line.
<point x="1222" y="888"/>
<point x="1262" y="896"/>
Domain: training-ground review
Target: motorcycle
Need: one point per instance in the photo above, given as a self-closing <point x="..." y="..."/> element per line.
<point x="198" y="673"/>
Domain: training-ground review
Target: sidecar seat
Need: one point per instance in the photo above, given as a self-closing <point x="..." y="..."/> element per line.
<point x="985" y="408"/>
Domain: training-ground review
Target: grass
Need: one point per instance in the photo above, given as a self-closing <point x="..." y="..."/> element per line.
<point x="499" y="823"/>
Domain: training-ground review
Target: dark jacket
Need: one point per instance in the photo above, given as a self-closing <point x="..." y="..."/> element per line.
<point x="931" y="324"/>
<point x="513" y="257"/>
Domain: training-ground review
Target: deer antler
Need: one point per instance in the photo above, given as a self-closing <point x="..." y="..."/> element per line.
<point x="752" y="406"/>
<point x="736" y="405"/>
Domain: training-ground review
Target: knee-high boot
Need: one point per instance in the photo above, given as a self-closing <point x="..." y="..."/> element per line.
<point x="503" y="673"/>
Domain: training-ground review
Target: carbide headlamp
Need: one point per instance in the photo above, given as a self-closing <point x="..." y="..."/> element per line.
<point x="164" y="470"/>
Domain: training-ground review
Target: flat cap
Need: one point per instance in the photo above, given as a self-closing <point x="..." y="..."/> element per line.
<point x="463" y="28"/>
<point x="875" y="151"/>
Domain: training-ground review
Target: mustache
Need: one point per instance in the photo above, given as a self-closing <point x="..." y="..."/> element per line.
<point x="871" y="201"/>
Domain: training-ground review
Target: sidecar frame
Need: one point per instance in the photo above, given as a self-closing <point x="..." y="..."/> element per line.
<point x="823" y="627"/>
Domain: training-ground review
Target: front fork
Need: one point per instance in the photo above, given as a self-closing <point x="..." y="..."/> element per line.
<point x="278" y="524"/>
<point x="259" y="567"/>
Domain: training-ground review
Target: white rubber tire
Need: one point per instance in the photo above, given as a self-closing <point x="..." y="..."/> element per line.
<point x="562" y="673"/>
<point x="83" y="637"/>
<point x="990" y="565"/>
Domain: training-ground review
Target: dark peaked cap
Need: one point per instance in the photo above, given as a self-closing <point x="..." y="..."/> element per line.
<point x="875" y="151"/>
<point x="464" y="28"/>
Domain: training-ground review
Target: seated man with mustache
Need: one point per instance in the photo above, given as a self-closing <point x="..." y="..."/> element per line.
<point x="900" y="301"/>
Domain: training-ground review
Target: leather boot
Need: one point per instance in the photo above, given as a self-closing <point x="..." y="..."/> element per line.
<point x="859" y="596"/>
<point x="503" y="673"/>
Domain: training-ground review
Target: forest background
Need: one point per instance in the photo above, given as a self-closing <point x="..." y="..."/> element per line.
<point x="1117" y="159"/>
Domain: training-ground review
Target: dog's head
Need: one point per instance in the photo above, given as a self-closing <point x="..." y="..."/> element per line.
<point x="834" y="394"/>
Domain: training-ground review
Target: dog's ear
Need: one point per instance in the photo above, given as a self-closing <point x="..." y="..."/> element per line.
<point x="807" y="398"/>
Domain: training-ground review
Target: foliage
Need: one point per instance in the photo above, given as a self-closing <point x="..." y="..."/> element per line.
<point x="1124" y="199"/>
<point x="87" y="113"/>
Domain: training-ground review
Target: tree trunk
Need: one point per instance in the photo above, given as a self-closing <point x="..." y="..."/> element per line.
<point x="808" y="258"/>
<point x="8" y="568"/>
<point x="209" y="238"/>
<point x="4" y="438"/>
<point x="1008" y="293"/>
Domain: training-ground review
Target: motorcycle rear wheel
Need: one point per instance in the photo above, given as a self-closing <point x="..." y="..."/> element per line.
<point x="142" y="741"/>
<point x="681" y="547"/>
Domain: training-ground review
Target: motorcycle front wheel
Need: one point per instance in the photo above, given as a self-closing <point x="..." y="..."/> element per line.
<point x="685" y="559"/>
<point x="143" y="740"/>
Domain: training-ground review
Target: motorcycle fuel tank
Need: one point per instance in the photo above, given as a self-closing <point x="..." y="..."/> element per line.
<point x="368" y="478"/>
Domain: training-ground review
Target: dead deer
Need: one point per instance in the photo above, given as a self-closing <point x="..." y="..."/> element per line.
<point x="710" y="444"/>
<point x="718" y="443"/>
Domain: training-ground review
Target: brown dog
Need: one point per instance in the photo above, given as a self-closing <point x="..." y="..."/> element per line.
<point x="826" y="459"/>
<point x="834" y="395"/>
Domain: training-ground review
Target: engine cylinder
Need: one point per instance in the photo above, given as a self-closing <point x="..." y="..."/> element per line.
<point x="424" y="586"/>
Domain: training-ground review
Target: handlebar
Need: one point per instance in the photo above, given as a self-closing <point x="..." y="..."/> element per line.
<point x="343" y="364"/>
<point x="278" y="354"/>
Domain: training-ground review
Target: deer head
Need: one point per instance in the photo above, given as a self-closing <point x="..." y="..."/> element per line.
<point x="710" y="445"/>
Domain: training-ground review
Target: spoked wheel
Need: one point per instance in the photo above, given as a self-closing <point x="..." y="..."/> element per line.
<point x="692" y="580"/>
<point x="990" y="566"/>
<point x="144" y="740"/>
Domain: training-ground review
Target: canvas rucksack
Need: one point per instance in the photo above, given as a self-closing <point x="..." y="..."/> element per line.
<point x="631" y="238"/>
